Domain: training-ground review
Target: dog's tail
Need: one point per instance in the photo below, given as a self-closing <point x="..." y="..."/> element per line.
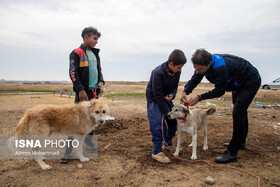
<point x="23" y="126"/>
<point x="21" y="129"/>
<point x="212" y="108"/>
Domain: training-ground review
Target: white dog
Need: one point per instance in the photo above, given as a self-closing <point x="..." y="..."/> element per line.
<point x="190" y="121"/>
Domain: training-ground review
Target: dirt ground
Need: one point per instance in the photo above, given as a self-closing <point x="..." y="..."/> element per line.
<point x="125" y="147"/>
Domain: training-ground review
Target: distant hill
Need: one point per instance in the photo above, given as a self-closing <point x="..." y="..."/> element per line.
<point x="3" y="81"/>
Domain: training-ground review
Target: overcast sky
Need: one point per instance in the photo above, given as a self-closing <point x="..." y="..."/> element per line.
<point x="36" y="37"/>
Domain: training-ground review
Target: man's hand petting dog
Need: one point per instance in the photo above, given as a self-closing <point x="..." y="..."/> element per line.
<point x="193" y="101"/>
<point x="169" y="97"/>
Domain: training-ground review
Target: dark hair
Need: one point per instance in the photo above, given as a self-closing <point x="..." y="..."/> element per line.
<point x="177" y="57"/>
<point x="201" y="57"/>
<point x="90" y="31"/>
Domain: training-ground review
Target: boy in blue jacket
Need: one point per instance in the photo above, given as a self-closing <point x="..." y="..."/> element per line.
<point x="160" y="92"/>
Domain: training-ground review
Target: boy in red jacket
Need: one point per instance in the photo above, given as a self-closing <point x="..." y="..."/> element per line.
<point x="85" y="73"/>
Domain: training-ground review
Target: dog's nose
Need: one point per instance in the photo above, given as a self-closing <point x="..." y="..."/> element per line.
<point x="169" y="116"/>
<point x="101" y="121"/>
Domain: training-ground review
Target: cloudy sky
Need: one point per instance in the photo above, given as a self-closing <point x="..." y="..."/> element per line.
<point x="37" y="36"/>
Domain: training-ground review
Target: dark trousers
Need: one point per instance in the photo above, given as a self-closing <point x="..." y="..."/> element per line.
<point x="89" y="94"/>
<point x="241" y="99"/>
<point x="155" y="120"/>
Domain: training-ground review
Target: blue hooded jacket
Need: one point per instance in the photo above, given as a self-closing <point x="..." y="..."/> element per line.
<point x="228" y="73"/>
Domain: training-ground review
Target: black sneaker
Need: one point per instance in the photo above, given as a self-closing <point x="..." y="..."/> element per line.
<point x="226" y="157"/>
<point x="242" y="147"/>
<point x="65" y="159"/>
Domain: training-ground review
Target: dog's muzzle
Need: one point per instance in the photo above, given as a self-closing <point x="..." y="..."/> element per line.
<point x="101" y="121"/>
<point x="170" y="116"/>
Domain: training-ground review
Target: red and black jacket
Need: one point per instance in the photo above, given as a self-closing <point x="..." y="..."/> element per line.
<point x="79" y="70"/>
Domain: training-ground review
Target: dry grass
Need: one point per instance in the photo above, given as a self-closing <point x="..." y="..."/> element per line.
<point x="127" y="161"/>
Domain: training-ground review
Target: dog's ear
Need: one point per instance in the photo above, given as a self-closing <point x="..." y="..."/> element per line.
<point x="92" y="103"/>
<point x="186" y="110"/>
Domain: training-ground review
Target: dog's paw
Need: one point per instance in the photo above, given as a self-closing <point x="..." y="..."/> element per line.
<point x="46" y="167"/>
<point x="193" y="157"/>
<point x="176" y="153"/>
<point x="205" y="147"/>
<point x="85" y="159"/>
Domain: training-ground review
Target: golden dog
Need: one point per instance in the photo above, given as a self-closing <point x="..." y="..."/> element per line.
<point x="75" y="119"/>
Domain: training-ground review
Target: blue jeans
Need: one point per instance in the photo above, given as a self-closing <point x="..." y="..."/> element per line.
<point x="155" y="119"/>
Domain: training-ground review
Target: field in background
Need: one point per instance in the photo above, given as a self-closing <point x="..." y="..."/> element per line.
<point x="127" y="160"/>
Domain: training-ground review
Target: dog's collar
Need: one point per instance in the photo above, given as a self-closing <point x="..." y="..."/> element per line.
<point x="186" y="104"/>
<point x="184" y="118"/>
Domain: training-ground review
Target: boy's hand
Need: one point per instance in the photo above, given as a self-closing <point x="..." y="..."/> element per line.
<point x="194" y="100"/>
<point x="183" y="98"/>
<point x="83" y="95"/>
<point x="169" y="97"/>
<point x="100" y="84"/>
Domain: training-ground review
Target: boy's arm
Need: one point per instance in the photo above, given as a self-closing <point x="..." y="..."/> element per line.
<point x="174" y="91"/>
<point x="191" y="84"/>
<point x="158" y="92"/>
<point x="100" y="75"/>
<point x="73" y="72"/>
